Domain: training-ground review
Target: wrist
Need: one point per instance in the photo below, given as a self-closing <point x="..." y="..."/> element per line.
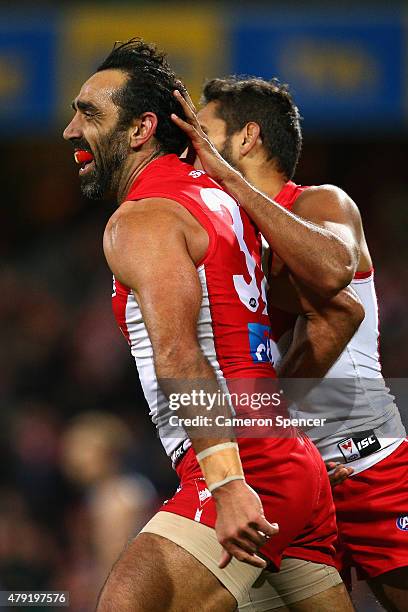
<point x="229" y="178"/>
<point x="221" y="465"/>
<point x="229" y="490"/>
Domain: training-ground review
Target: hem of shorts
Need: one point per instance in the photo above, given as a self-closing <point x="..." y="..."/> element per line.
<point x="367" y="575"/>
<point x="274" y="559"/>
<point x="308" y="555"/>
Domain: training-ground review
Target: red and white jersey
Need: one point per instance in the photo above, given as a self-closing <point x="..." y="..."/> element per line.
<point x="353" y="395"/>
<point x="233" y="327"/>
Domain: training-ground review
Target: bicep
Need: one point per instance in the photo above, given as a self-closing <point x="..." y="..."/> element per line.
<point x="332" y="209"/>
<point x="149" y="255"/>
<point x="169" y="295"/>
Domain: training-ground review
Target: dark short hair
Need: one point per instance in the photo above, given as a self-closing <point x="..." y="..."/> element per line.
<point x="267" y="103"/>
<point x="149" y="88"/>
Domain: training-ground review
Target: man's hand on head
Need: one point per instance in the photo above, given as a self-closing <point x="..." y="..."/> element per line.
<point x="210" y="160"/>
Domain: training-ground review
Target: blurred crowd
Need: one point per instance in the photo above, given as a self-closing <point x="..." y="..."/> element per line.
<point x="81" y="468"/>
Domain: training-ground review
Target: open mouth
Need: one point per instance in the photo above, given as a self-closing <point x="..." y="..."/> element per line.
<point x="85" y="159"/>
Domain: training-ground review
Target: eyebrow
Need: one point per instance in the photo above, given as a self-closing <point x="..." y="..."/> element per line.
<point x="83" y="106"/>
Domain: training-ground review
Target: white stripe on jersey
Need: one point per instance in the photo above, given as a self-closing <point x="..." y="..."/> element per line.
<point x="353" y="396"/>
<point x="142" y="351"/>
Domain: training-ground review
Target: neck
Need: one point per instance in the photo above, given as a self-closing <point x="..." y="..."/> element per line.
<point x="265" y="178"/>
<point x="128" y="178"/>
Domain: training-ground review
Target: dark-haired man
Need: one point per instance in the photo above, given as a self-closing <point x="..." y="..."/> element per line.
<point x="189" y="297"/>
<point x="254" y="124"/>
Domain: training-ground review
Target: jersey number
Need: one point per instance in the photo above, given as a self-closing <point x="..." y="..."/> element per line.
<point x="248" y="293"/>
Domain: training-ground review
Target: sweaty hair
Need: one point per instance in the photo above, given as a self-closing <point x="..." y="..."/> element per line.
<point x="149" y="88"/>
<point x="267" y="103"/>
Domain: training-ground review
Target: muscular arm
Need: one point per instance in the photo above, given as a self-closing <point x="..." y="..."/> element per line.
<point x="319" y="243"/>
<point x="145" y="245"/>
<point x="320" y="335"/>
<point x="322" y="330"/>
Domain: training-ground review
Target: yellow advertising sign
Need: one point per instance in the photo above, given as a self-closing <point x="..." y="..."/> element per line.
<point x="193" y="39"/>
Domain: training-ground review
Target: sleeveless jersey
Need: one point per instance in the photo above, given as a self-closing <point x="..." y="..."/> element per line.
<point x="363" y="424"/>
<point x="233" y="326"/>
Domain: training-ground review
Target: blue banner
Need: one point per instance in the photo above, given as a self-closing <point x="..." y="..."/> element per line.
<point x="344" y="69"/>
<point x="28" y="55"/>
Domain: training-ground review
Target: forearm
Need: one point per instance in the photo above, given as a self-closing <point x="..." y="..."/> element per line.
<point x="320" y="336"/>
<point x="192" y="380"/>
<point x="315" y="255"/>
<point x="313" y="351"/>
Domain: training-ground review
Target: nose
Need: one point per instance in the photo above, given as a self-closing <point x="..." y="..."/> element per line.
<point x="72" y="130"/>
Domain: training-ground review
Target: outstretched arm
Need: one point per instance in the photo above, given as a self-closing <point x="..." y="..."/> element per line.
<point x="146" y="248"/>
<point x="323" y="252"/>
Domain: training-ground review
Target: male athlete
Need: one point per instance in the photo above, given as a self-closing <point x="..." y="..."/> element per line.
<point x="189" y="296"/>
<point x="254" y="124"/>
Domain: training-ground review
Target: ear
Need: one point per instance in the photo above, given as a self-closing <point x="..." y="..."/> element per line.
<point x="250" y="134"/>
<point x="143" y="128"/>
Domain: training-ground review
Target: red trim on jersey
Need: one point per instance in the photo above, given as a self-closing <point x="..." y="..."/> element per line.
<point x="289" y="194"/>
<point x="359" y="275"/>
<point x="119" y="303"/>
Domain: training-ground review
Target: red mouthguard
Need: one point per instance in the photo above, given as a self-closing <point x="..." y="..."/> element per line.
<point x="82" y="157"/>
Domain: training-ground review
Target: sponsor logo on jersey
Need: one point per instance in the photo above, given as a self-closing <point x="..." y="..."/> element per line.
<point x="203" y="493"/>
<point x="259" y="342"/>
<point x="349" y="449"/>
<point x="402" y="522"/>
<point x="196" y="173"/>
<point x="179" y="452"/>
<point x="359" y="446"/>
<point x="198" y="514"/>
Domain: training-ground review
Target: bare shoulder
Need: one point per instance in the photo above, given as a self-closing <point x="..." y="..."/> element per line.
<point x="143" y="219"/>
<point x="326" y="202"/>
<point x="142" y="233"/>
<point x="151" y="210"/>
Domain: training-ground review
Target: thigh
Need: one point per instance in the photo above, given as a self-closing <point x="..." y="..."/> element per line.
<point x="334" y="599"/>
<point x="391" y="588"/>
<point x="299" y="585"/>
<point x="154" y="573"/>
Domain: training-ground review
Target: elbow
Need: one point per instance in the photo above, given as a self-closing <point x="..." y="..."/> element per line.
<point x="340" y="275"/>
<point x="331" y="285"/>
<point x="352" y="309"/>
<point x="333" y="282"/>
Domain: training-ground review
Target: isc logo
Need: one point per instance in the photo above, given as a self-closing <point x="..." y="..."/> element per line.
<point x="402" y="522"/>
<point x="364" y="445"/>
<point x="366" y="442"/>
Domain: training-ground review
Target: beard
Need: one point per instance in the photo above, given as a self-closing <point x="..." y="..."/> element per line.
<point x="226" y="151"/>
<point x="109" y="156"/>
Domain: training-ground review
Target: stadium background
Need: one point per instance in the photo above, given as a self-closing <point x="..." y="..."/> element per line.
<point x="61" y="354"/>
